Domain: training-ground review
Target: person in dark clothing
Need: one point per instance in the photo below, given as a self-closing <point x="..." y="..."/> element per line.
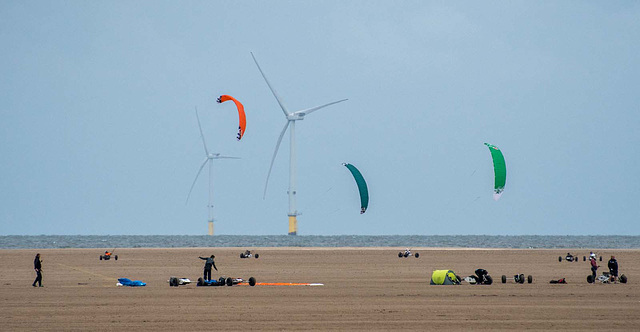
<point x="594" y="267"/>
<point x="37" y="265"/>
<point x="481" y="273"/>
<point x="613" y="268"/>
<point x="207" y="266"/>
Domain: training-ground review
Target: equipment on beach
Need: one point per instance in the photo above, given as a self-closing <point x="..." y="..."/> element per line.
<point x="518" y="279"/>
<point x="569" y="258"/>
<point x="222" y="281"/>
<point x="130" y="283"/>
<point x="605" y="278"/>
<point x="173" y="281"/>
<point x="291" y="118"/>
<point x="248" y="254"/>
<point x="107" y="255"/>
<point x="559" y="281"/>
<point x="474" y="280"/>
<point x="584" y="258"/>
<point x="407" y="253"/>
<point x="286" y="284"/>
<point x="209" y="157"/>
<point x="444" y="277"/>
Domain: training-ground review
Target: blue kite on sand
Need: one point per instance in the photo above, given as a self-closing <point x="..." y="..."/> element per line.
<point x="130" y="283"/>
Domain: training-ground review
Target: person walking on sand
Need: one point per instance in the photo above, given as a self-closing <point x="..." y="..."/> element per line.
<point x="594" y="267"/>
<point x="613" y="268"/>
<point x="207" y="266"/>
<point x="37" y="265"/>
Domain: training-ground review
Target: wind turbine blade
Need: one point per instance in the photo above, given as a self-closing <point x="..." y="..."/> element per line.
<point x="226" y="157"/>
<point x="206" y="151"/>
<point x="275" y="94"/>
<point x="275" y="152"/>
<point x="196" y="179"/>
<point x="313" y="109"/>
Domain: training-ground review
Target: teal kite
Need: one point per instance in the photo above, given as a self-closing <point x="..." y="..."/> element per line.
<point x="499" y="169"/>
<point x="362" y="187"/>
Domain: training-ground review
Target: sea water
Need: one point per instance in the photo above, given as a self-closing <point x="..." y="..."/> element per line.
<point x="401" y="241"/>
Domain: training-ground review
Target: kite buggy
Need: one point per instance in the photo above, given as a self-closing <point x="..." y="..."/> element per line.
<point x="173" y="281"/>
<point x="481" y="277"/>
<point x="107" y="256"/>
<point x="407" y="253"/>
<point x="605" y="278"/>
<point x="248" y="254"/>
<point x="222" y="281"/>
<point x="568" y="258"/>
<point x="518" y="279"/>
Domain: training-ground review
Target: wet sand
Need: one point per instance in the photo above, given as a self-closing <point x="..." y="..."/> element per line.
<point x="364" y="289"/>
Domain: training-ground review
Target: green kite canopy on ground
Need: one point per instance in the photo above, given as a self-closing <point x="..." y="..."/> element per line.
<point x="444" y="277"/>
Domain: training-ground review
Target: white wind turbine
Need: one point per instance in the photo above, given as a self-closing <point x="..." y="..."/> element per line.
<point x="291" y="117"/>
<point x="208" y="159"/>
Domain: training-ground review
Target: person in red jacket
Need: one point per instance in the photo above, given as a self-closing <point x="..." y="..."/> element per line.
<point x="594" y="267"/>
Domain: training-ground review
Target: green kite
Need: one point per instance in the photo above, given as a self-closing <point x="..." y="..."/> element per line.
<point x="499" y="169"/>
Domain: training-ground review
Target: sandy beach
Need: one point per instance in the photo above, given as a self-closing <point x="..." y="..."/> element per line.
<point x="364" y="289"/>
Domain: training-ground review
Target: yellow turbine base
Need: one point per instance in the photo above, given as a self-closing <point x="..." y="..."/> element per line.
<point x="293" y="225"/>
<point x="211" y="228"/>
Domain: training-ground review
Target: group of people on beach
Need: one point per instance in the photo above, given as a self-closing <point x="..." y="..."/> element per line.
<point x="210" y="263"/>
<point x="612" y="265"/>
<point x="37" y="266"/>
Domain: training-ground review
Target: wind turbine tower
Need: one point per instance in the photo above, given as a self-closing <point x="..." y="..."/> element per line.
<point x="291" y="118"/>
<point x="209" y="157"/>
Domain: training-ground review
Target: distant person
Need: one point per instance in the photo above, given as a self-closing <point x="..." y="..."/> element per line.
<point x="613" y="268"/>
<point x="37" y="265"/>
<point x="569" y="257"/>
<point x="207" y="266"/>
<point x="594" y="267"/>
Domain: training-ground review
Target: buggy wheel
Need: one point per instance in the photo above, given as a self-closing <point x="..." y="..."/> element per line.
<point x="417" y="255"/>
<point x="257" y="255"/>
<point x="173" y="281"/>
<point x="241" y="255"/>
<point x="229" y="281"/>
<point x="529" y="279"/>
<point x="590" y="279"/>
<point x="100" y="257"/>
<point x="584" y="258"/>
<point x="623" y="279"/>
<point x="560" y="259"/>
<point x="116" y="257"/>
<point x="504" y="279"/>
<point x="601" y="258"/>
<point x="488" y="280"/>
<point x="521" y="279"/>
<point x="252" y="281"/>
<point x="200" y="282"/>
<point x="399" y="255"/>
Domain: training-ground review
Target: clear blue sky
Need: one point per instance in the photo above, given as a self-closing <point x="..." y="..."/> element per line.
<point x="98" y="132"/>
